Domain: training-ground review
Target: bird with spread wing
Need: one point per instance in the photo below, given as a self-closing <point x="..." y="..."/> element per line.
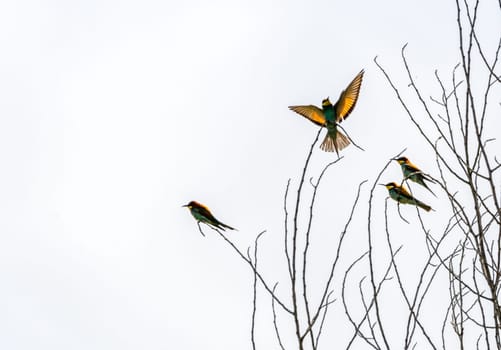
<point x="330" y="115"/>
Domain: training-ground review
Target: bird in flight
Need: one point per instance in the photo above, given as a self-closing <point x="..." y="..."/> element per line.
<point x="330" y="115"/>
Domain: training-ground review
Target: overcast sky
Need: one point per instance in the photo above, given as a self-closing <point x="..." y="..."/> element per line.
<point x="113" y="114"/>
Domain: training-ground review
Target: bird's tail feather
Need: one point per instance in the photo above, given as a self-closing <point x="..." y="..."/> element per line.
<point x="429" y="178"/>
<point x="337" y="143"/>
<point x="419" y="177"/>
<point x="429" y="189"/>
<point x="423" y="206"/>
<point x="223" y="226"/>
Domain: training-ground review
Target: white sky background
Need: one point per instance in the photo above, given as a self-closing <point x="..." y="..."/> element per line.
<point x="115" y="113"/>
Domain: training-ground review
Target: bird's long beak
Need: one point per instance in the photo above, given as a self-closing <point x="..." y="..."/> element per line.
<point x="184" y="205"/>
<point x="382" y="184"/>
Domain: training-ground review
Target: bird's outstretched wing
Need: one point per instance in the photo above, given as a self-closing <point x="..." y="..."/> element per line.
<point x="348" y="98"/>
<point x="313" y="113"/>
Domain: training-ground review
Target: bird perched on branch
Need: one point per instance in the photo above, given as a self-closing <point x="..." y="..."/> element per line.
<point x="401" y="195"/>
<point x="202" y="214"/>
<point x="413" y="173"/>
<point x="330" y="115"/>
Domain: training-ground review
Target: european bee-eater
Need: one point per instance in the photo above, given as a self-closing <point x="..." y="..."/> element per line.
<point x="202" y="214"/>
<point x="401" y="195"/>
<point x="330" y="115"/>
<point x="413" y="173"/>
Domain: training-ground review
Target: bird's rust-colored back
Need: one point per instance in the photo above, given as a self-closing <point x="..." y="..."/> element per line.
<point x="196" y="204"/>
<point x="201" y="209"/>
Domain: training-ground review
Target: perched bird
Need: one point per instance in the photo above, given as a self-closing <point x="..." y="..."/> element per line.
<point x="330" y="115"/>
<point x="413" y="173"/>
<point x="202" y="214"/>
<point x="401" y="195"/>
